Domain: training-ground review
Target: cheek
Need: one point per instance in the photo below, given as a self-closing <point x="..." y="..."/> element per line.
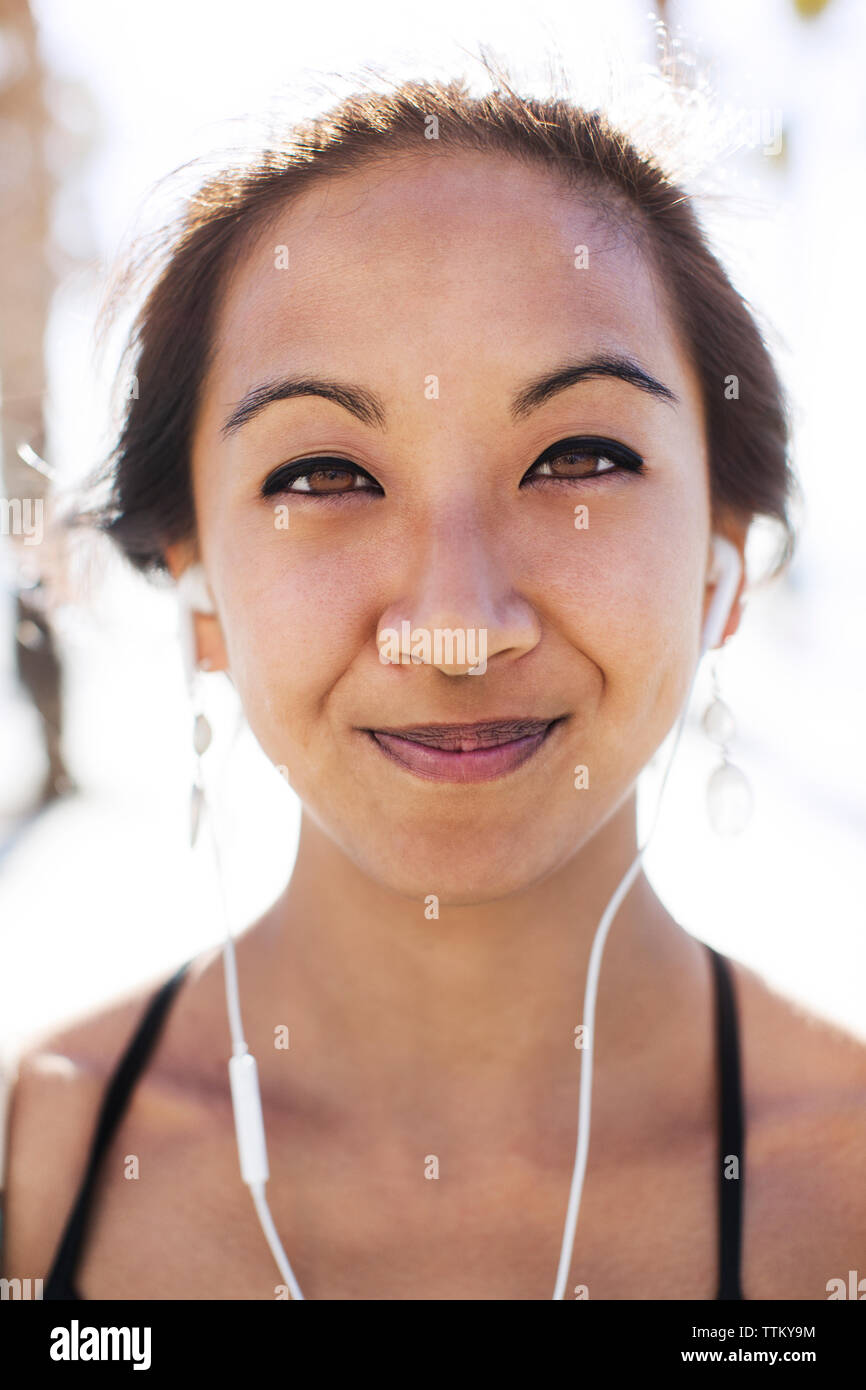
<point x="295" y="620"/>
<point x="621" y="601"/>
<point x="625" y="588"/>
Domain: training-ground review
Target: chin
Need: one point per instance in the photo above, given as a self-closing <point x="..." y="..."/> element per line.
<point x="462" y="874"/>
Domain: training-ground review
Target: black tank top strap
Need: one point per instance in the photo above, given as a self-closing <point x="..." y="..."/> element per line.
<point x="59" y="1283"/>
<point x="731" y="1130"/>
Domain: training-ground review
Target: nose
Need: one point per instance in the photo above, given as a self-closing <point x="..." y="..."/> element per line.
<point x="460" y="609"/>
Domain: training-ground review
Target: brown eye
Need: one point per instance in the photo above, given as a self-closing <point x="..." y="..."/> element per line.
<point x="584" y="460"/>
<point x="575" y="465"/>
<point x="319" y="478"/>
<point x="330" y="479"/>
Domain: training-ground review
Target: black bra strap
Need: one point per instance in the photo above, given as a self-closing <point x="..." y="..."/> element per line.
<point x="731" y="1131"/>
<point x="113" y="1107"/>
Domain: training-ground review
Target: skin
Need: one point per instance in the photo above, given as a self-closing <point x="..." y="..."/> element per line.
<point x="454" y="1036"/>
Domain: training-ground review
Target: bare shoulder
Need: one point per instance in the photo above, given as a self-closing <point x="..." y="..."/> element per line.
<point x="804" y="1082"/>
<point x="793" y="1058"/>
<point x="53" y="1105"/>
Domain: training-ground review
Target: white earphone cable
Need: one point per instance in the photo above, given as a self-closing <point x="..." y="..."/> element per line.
<point x="244" y="1122"/>
<point x="592" y="977"/>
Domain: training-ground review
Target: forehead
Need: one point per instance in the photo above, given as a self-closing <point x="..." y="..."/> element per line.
<point x="479" y="257"/>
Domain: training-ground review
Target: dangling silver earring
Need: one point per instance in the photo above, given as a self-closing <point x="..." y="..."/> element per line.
<point x="729" y="792"/>
<point x="201" y="740"/>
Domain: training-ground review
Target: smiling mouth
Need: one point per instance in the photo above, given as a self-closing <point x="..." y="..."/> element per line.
<point x="476" y="752"/>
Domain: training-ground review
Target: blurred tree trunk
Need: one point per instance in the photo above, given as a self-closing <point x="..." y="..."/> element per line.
<point x="26" y="286"/>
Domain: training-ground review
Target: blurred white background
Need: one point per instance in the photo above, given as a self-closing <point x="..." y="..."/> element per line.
<point x="100" y="892"/>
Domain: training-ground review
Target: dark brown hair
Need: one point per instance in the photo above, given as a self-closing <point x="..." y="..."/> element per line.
<point x="150" y="503"/>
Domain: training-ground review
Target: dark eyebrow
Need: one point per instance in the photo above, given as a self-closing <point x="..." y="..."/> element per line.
<point x="543" y="387"/>
<point x="364" y="404"/>
<point x="370" y="409"/>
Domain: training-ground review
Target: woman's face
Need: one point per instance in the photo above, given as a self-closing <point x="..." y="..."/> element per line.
<point x="432" y="295"/>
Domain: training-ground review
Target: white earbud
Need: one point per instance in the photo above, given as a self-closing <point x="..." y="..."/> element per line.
<point x="726" y="572"/>
<point x="193" y="596"/>
<point x="193" y="590"/>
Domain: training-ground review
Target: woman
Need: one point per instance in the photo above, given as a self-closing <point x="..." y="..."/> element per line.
<point x="446" y="364"/>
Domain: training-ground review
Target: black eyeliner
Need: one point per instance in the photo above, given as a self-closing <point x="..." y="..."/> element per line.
<point x="277" y="481"/>
<point x="591" y="444"/>
<point x="587" y="443"/>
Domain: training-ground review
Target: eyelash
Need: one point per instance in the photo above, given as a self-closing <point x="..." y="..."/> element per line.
<point x="623" y="459"/>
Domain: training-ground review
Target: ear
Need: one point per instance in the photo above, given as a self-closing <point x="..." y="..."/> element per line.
<point x="736" y="532"/>
<point x="210" y="645"/>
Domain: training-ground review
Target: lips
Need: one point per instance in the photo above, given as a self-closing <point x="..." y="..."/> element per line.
<point x="466" y="738"/>
<point x="475" y="752"/>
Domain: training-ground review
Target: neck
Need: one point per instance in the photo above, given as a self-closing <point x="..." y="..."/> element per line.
<point x="498" y="984"/>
